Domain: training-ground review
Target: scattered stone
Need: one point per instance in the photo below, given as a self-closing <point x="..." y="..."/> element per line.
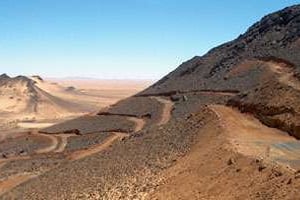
<point x="70" y="89"/>
<point x="257" y="160"/>
<point x="277" y="173"/>
<point x="261" y="167"/>
<point x="175" y="98"/>
<point x="289" y="181"/>
<point x="4" y="155"/>
<point x="148" y="116"/>
<point x="37" y="77"/>
<point x="77" y="132"/>
<point x="231" y="161"/>
<point x="184" y="97"/>
<point x="274" y="42"/>
<point x="22" y="153"/>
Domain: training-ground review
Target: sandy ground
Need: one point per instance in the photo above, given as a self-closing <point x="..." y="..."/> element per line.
<point x="88" y="95"/>
<point x="31" y="125"/>
<point x="250" y="137"/>
<point x="96" y="94"/>
<point x="233" y="158"/>
<point x="108" y="85"/>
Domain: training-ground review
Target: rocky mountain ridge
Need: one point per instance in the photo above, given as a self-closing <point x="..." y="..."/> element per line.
<point x="245" y="65"/>
<point x="221" y="126"/>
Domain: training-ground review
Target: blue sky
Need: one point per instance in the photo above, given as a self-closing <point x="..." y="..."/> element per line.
<point x="118" y="39"/>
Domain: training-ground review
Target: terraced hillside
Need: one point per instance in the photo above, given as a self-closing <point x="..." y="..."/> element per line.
<point x="221" y="126"/>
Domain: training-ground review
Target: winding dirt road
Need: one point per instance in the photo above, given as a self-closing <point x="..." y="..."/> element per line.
<point x="62" y="145"/>
<point x="97" y="148"/>
<point x="11" y="135"/>
<point x="5" y="160"/>
<point x="63" y="142"/>
<point x="139" y="123"/>
<point x="167" y="110"/>
<point x="53" y="144"/>
<point x="250" y="137"/>
<point x="14" y="181"/>
<point x="59" y="146"/>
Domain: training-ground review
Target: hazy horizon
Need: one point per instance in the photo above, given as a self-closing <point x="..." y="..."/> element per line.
<point x="80" y="78"/>
<point x="134" y="39"/>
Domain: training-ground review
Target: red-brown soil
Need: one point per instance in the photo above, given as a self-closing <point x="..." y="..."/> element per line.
<point x="221" y="126"/>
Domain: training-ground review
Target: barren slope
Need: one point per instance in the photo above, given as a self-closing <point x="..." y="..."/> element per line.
<point x="22" y="99"/>
<point x="31" y="102"/>
<point x="183" y="139"/>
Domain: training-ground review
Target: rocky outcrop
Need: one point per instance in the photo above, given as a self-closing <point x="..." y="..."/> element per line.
<point x="275" y="39"/>
<point x="37" y="77"/>
<point x="281" y="117"/>
<point x="276" y="35"/>
<point x="70" y="89"/>
<point x="274" y="104"/>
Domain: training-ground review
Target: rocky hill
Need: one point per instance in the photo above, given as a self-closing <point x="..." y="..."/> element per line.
<point x="221" y="126"/>
<point x="261" y="66"/>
